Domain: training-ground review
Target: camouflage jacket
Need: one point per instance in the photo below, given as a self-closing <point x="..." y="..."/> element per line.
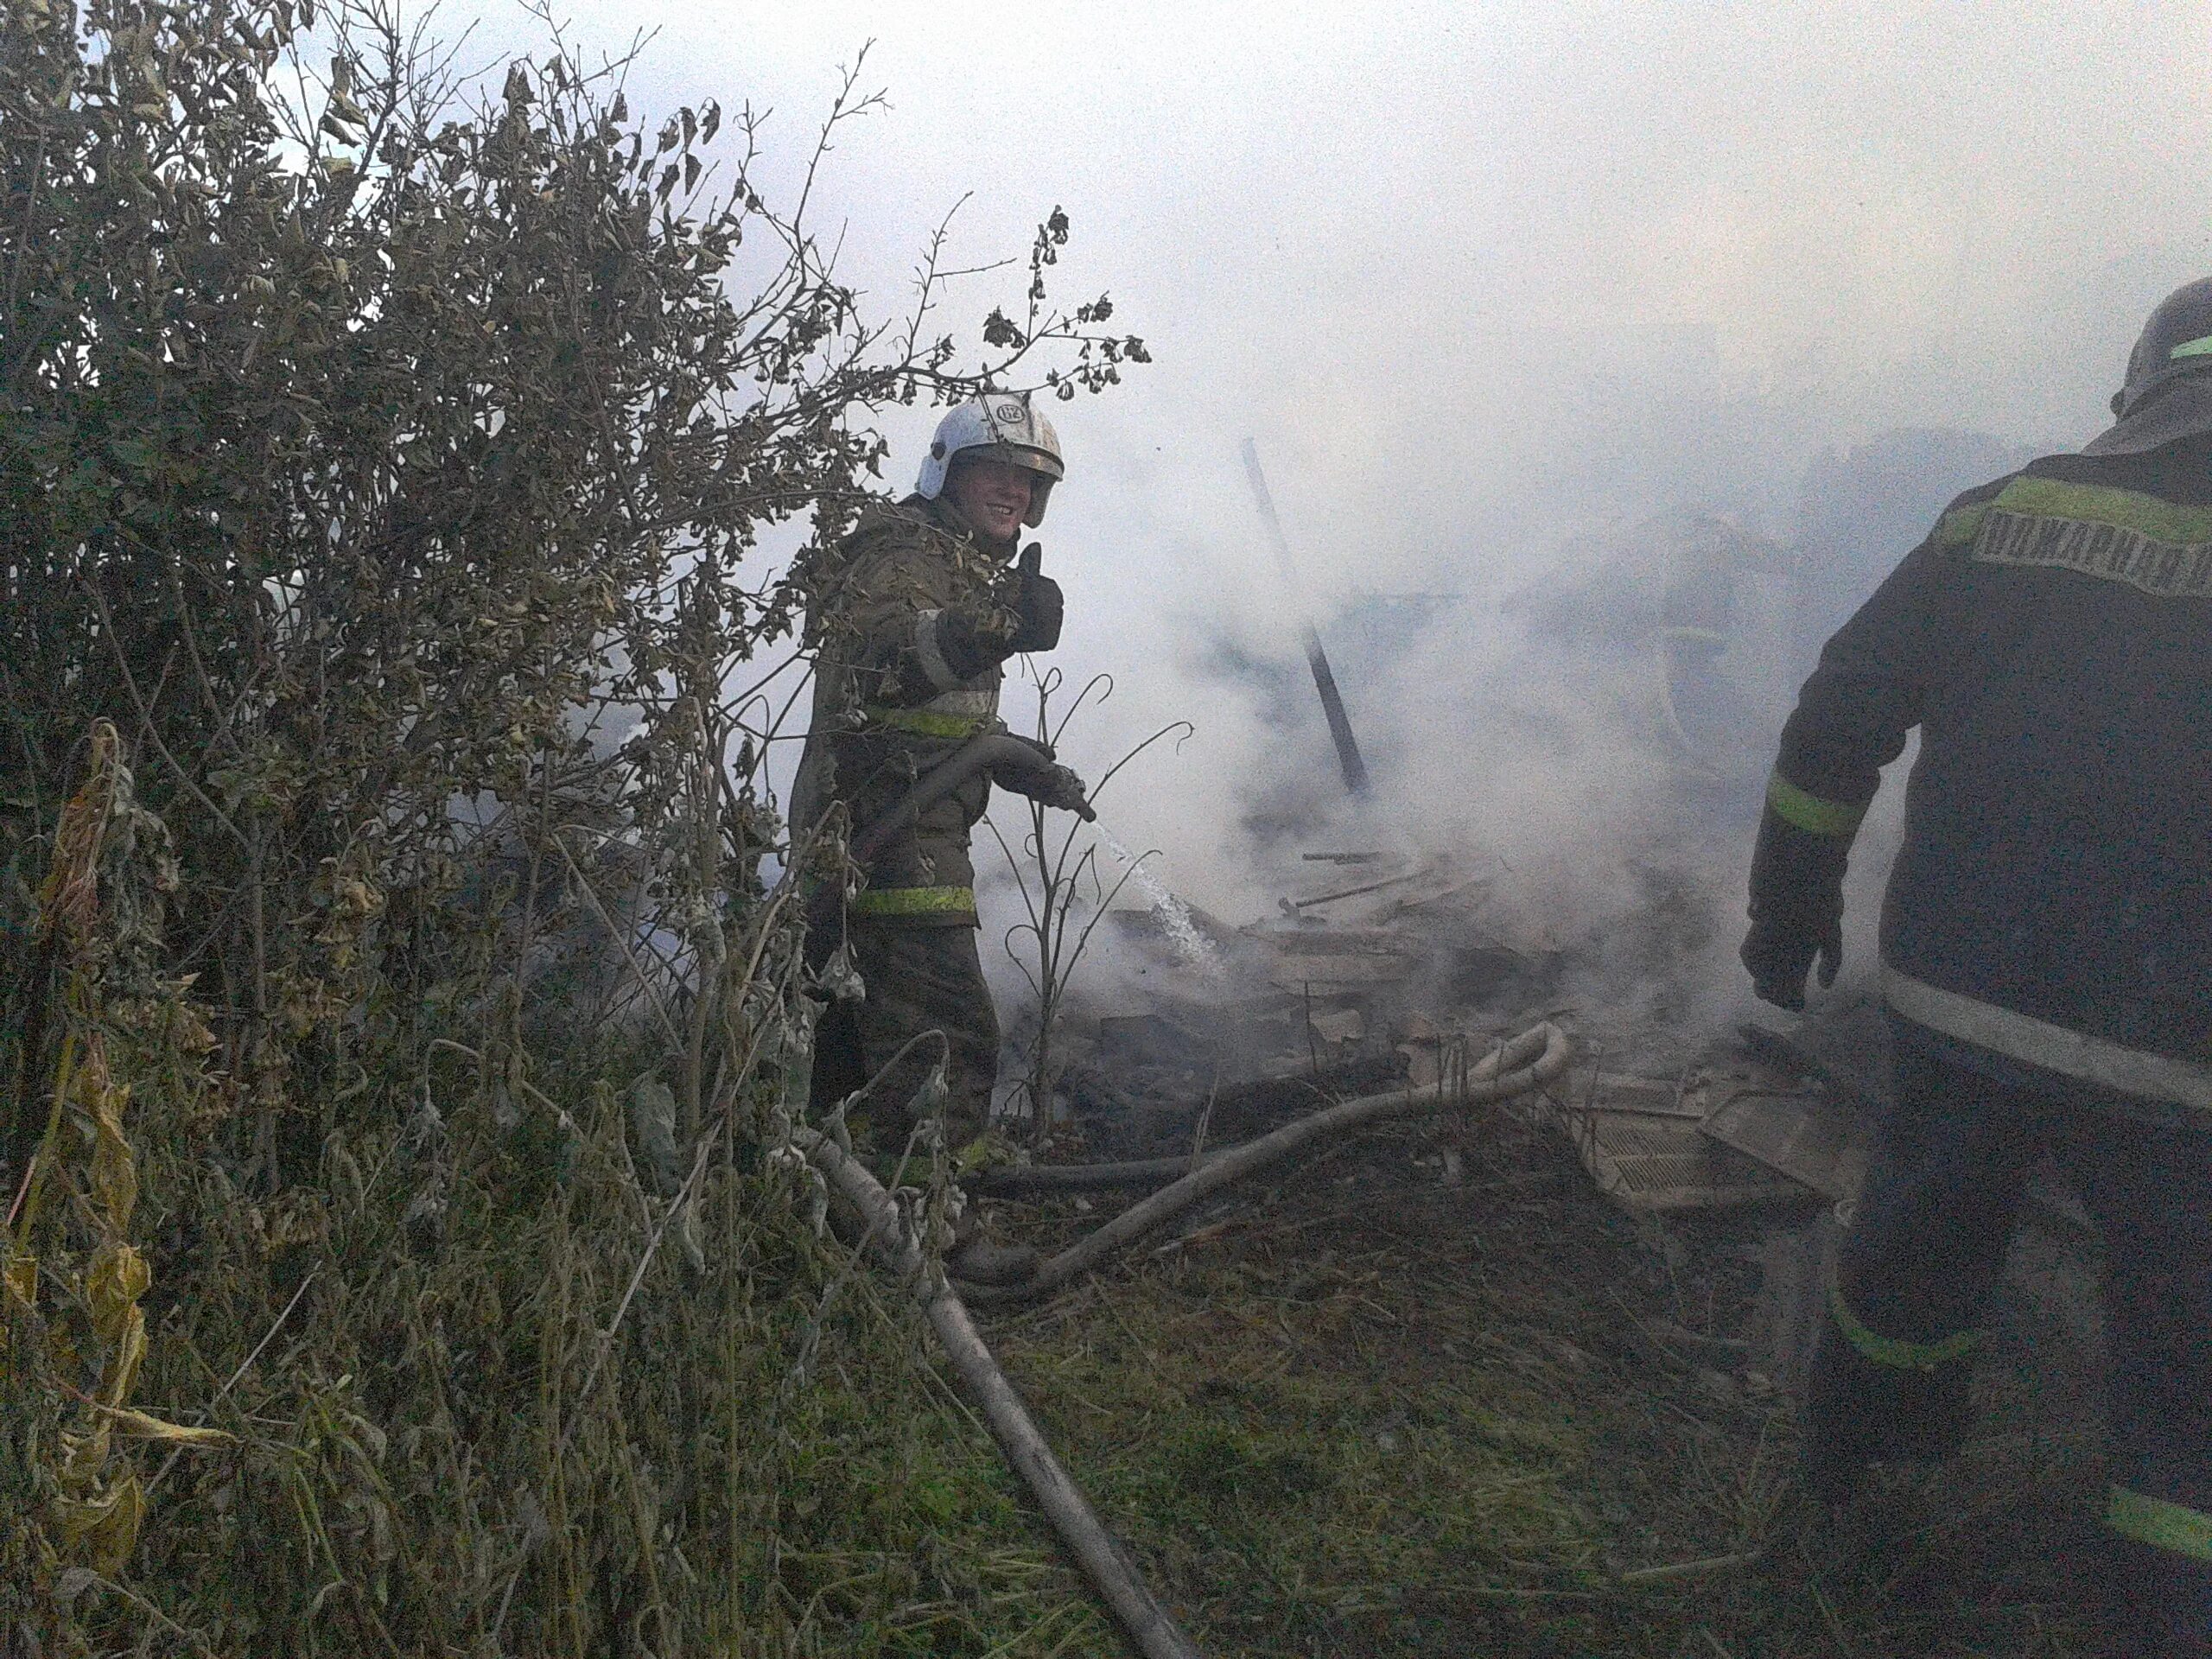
<point x="888" y="709"/>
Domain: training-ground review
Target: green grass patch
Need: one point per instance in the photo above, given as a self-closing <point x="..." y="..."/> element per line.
<point x="1370" y="1415"/>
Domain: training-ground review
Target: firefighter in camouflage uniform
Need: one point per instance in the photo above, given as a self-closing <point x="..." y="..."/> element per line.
<point x="2046" y="952"/>
<point x="923" y="602"/>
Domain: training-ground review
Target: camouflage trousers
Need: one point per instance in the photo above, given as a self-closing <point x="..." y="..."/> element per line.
<point x="920" y="980"/>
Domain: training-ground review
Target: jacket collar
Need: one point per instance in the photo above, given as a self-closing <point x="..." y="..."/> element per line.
<point x="2185" y="411"/>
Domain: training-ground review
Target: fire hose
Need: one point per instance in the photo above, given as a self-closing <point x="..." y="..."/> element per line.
<point x="999" y="752"/>
<point x="995" y="752"/>
<point x="1149" y="1624"/>
<point x="1518" y="1066"/>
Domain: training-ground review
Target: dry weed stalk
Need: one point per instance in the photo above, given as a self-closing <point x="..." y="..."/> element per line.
<point x="72" y="1281"/>
<point x="1065" y="895"/>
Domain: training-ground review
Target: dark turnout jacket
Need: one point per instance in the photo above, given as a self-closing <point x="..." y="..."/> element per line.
<point x="909" y="581"/>
<point x="2052" y="640"/>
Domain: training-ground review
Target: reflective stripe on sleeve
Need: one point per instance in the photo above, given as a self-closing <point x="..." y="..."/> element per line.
<point x="934" y="667"/>
<point x="926" y="723"/>
<point x="2161" y="1524"/>
<point x="916" y="901"/>
<point x="1809" y="812"/>
<point x="2055" y="1048"/>
<point x="1894" y="1353"/>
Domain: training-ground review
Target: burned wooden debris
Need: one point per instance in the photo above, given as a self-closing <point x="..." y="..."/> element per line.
<point x="1382" y="967"/>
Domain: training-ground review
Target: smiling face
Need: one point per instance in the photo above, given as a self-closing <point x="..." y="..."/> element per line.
<point x="992" y="495"/>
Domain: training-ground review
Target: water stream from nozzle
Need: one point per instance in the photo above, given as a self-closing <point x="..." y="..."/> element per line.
<point x="1196" y="950"/>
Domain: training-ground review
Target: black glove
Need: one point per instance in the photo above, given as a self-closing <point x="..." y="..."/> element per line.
<point x="1038" y="602"/>
<point x="1796" y="910"/>
<point x="1062" y="788"/>
<point x="1045" y="782"/>
<point x="960" y="644"/>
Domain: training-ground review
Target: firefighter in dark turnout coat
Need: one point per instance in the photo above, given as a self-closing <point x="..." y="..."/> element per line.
<point x="922" y="604"/>
<point x="2046" y="949"/>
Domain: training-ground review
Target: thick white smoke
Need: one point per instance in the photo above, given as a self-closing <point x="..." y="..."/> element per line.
<point x="1481" y="282"/>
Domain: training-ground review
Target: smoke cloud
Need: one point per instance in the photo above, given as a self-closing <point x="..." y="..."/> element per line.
<point x="1488" y="285"/>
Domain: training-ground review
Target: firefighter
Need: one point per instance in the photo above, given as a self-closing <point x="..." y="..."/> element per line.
<point x="910" y="622"/>
<point x="2046" y="949"/>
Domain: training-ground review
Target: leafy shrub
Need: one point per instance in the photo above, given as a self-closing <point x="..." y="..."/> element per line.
<point x="382" y="469"/>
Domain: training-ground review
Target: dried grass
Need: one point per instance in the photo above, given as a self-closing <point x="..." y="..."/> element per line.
<point x="1367" y="1413"/>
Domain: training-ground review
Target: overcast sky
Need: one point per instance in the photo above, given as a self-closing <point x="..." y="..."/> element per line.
<point x="1478" y="275"/>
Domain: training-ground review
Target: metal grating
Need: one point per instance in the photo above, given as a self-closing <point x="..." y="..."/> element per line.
<point x="1807" y="1136"/>
<point x="1644" y="1162"/>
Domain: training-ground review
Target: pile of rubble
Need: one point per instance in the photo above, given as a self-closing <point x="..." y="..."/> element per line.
<point x="1383" y="970"/>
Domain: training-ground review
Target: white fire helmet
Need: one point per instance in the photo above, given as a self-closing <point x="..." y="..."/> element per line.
<point x="998" y="426"/>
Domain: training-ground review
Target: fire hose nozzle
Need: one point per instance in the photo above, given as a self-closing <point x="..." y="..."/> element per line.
<point x="1050" y="784"/>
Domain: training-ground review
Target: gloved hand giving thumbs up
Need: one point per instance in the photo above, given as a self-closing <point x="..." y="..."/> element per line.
<point x="1037" y="602"/>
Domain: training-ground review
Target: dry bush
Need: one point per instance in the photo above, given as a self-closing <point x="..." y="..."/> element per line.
<point x="382" y="462"/>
